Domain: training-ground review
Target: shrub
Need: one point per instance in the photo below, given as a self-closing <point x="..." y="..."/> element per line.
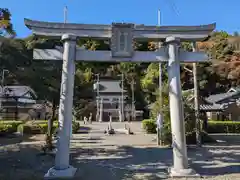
<point x="205" y="138"/>
<point x="75" y="127"/>
<point x="149" y="125"/>
<point x="44" y="128"/>
<point x="223" y="127"/>
<point x="189" y="119"/>
<point x="34" y="128"/>
<point x="166" y="133"/>
<point x="28" y="129"/>
<point x="15" y="124"/>
<point x="8" y="127"/>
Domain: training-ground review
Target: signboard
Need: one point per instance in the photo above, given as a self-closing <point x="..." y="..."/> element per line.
<point x="160" y="121"/>
<point x="122" y="40"/>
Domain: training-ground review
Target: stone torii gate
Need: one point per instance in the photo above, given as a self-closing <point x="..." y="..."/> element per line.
<point x="121" y="36"/>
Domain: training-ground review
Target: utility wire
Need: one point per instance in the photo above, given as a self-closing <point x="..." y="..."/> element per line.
<point x="173" y="6"/>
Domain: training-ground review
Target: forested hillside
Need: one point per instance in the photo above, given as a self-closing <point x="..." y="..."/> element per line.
<point x="45" y="76"/>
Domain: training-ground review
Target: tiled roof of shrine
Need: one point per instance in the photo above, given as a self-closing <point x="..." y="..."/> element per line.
<point x="109" y="86"/>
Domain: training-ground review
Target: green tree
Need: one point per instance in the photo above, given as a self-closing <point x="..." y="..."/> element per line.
<point x="221" y="49"/>
<point x="190" y="130"/>
<point x="225" y="67"/>
<point x="6" y="27"/>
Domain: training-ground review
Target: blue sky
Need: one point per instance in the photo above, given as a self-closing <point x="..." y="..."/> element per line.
<point x="173" y="12"/>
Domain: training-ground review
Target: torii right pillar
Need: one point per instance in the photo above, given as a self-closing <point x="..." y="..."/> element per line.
<point x="180" y="160"/>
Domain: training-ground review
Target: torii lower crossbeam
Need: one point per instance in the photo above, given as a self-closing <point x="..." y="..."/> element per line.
<point x="105" y="56"/>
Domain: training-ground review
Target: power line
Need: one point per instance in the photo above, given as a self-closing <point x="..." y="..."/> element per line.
<point x="173" y="6"/>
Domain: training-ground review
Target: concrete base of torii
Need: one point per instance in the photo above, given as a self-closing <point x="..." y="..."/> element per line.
<point x="180" y="173"/>
<point x="56" y="173"/>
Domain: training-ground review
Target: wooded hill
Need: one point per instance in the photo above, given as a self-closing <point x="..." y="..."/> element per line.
<point x="16" y="55"/>
<point x="45" y="76"/>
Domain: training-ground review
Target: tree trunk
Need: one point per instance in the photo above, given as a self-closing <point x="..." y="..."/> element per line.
<point x="50" y="126"/>
<point x="204" y="121"/>
<point x="16" y="109"/>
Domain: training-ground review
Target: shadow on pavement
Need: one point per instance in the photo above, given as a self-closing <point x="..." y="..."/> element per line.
<point x="23" y="162"/>
<point x="15" y="138"/>
<point x="130" y="162"/>
<point x="122" y="163"/>
<point x="84" y="130"/>
<point x="218" y="160"/>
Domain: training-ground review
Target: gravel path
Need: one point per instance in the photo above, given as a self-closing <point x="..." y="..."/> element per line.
<point x="118" y="157"/>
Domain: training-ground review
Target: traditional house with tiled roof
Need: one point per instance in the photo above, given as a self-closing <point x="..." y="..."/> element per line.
<point x="230" y="103"/>
<point x="204" y="105"/>
<point x="19" y="103"/>
<point x="16" y="100"/>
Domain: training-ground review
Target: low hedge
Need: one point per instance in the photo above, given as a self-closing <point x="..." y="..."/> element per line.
<point x="213" y="126"/>
<point x="35" y="128"/>
<point x="223" y="127"/>
<point x="8" y="128"/>
<point x="43" y="128"/>
<point x="149" y="126"/>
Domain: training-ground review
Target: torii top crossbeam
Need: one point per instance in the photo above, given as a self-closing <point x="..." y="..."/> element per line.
<point x="100" y="31"/>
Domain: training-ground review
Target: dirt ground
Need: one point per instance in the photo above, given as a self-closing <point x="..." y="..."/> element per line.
<point x="117" y="157"/>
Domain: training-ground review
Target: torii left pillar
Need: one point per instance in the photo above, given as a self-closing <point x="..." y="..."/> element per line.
<point x="62" y="169"/>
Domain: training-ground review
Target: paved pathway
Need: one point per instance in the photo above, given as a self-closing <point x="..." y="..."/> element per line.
<point x="136" y="156"/>
<point x="119" y="157"/>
